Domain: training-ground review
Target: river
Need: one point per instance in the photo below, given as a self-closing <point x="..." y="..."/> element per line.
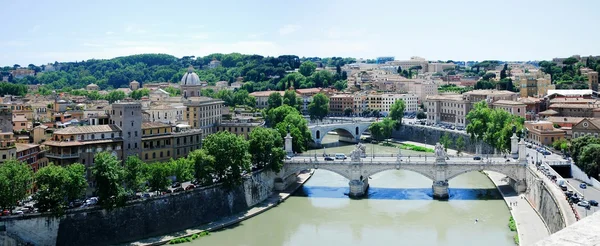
<point x="398" y="211"/>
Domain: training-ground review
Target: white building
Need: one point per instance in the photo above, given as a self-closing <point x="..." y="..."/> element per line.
<point x="165" y="113"/>
<point x="410" y="102"/>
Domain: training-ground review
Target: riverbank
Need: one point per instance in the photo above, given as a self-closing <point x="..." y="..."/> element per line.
<point x="272" y="201"/>
<point x="530" y="226"/>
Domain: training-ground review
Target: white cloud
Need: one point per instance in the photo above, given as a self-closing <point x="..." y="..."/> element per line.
<point x="288" y="29"/>
<point x="86" y="44"/>
<point x="255" y="35"/>
<point x="14" y="43"/>
<point x="132" y="28"/>
<point x="200" y="36"/>
<point x="109" y="33"/>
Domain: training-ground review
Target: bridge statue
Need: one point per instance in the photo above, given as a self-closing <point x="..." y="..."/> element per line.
<point x="362" y="148"/>
<point x="440" y="154"/>
<point x="357" y="153"/>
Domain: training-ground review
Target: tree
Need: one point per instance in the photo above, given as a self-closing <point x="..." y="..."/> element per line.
<point x="460" y="145"/>
<point x="382" y="129"/>
<point x="478" y="119"/>
<point x="399" y="70"/>
<point x="290" y="98"/>
<point x="298" y="130"/>
<point x="266" y="148"/>
<point x="319" y="107"/>
<point x="340" y="85"/>
<point x="397" y="110"/>
<point x="231" y="151"/>
<point x="276" y="115"/>
<point x="182" y="169"/>
<point x="58" y="185"/>
<point x="134" y="174"/>
<point x="421" y="115"/>
<point x="158" y="176"/>
<point x="570" y="61"/>
<point x="590" y="160"/>
<point x="204" y="166"/>
<point x="307" y="68"/>
<point x="488" y="76"/>
<point x="446" y="141"/>
<point x="275" y="100"/>
<point x="138" y="94"/>
<point x="15" y="180"/>
<point x="348" y="112"/>
<point x="115" y="95"/>
<point x="109" y="176"/>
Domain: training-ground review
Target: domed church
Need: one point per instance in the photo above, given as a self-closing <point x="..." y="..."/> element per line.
<point x="190" y="84"/>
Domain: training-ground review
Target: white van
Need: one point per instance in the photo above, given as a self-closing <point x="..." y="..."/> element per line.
<point x="339" y="156"/>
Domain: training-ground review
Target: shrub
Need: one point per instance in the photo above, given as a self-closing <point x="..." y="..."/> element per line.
<point x="511" y="224"/>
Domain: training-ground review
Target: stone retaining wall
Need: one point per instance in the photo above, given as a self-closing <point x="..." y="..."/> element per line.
<point x="143" y="219"/>
<point x="544" y="202"/>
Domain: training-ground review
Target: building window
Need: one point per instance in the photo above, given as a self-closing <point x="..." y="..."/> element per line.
<point x="135" y="145"/>
<point x="153" y="155"/>
<point x="161" y="154"/>
<point x="135" y="133"/>
<point x="168" y="153"/>
<point x="128" y="146"/>
<point x="102" y="136"/>
<point x="146" y="156"/>
<point x="120" y="113"/>
<point x="132" y="121"/>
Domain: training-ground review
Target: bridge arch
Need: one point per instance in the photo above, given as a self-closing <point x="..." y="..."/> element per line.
<point x="516" y="173"/>
<point x="349" y="132"/>
<point x="426" y="173"/>
<point x="341" y="170"/>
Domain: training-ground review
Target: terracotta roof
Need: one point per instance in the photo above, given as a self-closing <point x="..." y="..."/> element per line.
<point x="265" y="93"/>
<point x="19" y="117"/>
<point x="78" y="143"/>
<point x="559" y="119"/>
<point x="148" y="125"/>
<point x="308" y="90"/>
<point x="529" y="100"/>
<point x="508" y="102"/>
<point x="489" y="92"/>
<point x="548" y="112"/>
<point x="23" y="146"/>
<point x="88" y="129"/>
<point x="562" y="105"/>
<point x="572" y="100"/>
<point x="595" y="122"/>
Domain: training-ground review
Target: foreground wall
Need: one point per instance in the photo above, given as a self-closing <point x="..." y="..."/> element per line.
<point x="577" y="173"/>
<point x="542" y="201"/>
<point x="432" y="136"/>
<point x="148" y="218"/>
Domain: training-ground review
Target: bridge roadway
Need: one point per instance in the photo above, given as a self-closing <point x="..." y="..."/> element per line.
<point x="440" y="171"/>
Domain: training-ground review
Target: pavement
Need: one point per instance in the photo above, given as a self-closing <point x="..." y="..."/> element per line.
<point x="530" y="226"/>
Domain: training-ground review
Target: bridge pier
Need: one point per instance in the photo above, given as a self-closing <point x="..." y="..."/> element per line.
<point x="440" y="190"/>
<point x="358" y="188"/>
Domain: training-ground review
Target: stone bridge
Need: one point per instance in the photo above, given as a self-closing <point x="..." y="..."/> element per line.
<point x="347" y="131"/>
<point x="440" y="169"/>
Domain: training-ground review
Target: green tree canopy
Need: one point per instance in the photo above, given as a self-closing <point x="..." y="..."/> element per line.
<point x="231" y="151"/>
<point x="134" y="174"/>
<point x="266" y="148"/>
<point x="15" y="181"/>
<point x="204" y="166"/>
<point x="319" y="107"/>
<point x="109" y="177"/>
<point x="307" y="68"/>
<point x="276" y="115"/>
<point x="158" y="176"/>
<point x="298" y="130"/>
<point x="58" y="185"/>
<point x="275" y="100"/>
<point x="397" y="110"/>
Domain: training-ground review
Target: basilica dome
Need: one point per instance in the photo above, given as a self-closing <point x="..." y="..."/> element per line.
<point x="190" y="78"/>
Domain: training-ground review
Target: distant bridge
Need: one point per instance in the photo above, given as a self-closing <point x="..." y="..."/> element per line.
<point x="347" y="130"/>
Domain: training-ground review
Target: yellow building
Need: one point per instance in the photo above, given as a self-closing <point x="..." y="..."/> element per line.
<point x="241" y="126"/>
<point x="161" y="142"/>
<point x="535" y="85"/>
<point x="203" y="113"/>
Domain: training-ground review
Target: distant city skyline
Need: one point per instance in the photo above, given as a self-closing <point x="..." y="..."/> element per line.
<point x="464" y="30"/>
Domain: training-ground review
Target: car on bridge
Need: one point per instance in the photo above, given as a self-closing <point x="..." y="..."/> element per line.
<point x="583" y="185"/>
<point x="340" y="156"/>
<point x="328" y="158"/>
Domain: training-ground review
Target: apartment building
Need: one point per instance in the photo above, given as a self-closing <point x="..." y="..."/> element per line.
<point x="410" y="102"/>
<point x="262" y="97"/>
<point x="165" y="113"/>
<point x="543" y="132"/>
<point x="592" y="77"/>
<point x="204" y="113"/>
<point x="7" y="139"/>
<point x="307" y="95"/>
<point x="534" y="84"/>
<point x="453" y="108"/>
<point x="32" y="154"/>
<point x="161" y="142"/>
<point x="587" y="126"/>
<point x="242" y="126"/>
<point x="360" y="103"/>
<point x="338" y="103"/>
<point x="128" y="117"/>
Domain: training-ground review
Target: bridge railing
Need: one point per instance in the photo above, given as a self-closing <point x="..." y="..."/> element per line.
<point x="484" y="156"/>
<point x="402" y="162"/>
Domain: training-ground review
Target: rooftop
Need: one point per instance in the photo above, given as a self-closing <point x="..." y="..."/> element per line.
<point x="549" y="112"/>
<point x="582" y="106"/>
<point x="572" y="100"/>
<point x="489" y="92"/>
<point x="88" y="129"/>
<point x="558" y="119"/>
<point x="24" y="146"/>
<point x="508" y="102"/>
<point x="570" y="92"/>
<point x="148" y="125"/>
<point x="265" y="93"/>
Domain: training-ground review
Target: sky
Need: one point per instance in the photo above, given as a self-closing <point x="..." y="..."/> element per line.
<point x="513" y="30"/>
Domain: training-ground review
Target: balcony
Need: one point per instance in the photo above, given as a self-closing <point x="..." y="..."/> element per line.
<point x="62" y="156"/>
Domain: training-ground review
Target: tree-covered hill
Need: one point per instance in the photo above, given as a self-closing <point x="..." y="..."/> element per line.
<point x="262" y="72"/>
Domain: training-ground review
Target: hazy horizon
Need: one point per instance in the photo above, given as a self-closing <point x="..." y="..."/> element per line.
<point x="467" y="30"/>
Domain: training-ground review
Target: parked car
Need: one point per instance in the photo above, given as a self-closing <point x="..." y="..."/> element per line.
<point x="189" y="187"/>
<point x="146" y="195"/>
<point x="178" y="189"/>
<point x="287" y="157"/>
<point x="18" y="212"/>
<point x="583" y="185"/>
<point x="91" y="201"/>
<point x="583" y="204"/>
<point x="477" y="158"/>
<point x="175" y="185"/>
<point x="593" y="203"/>
<point x="340" y="156"/>
<point x="328" y="158"/>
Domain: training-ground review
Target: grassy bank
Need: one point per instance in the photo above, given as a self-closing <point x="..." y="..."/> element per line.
<point x="190" y="238"/>
<point x="512" y="225"/>
<point x="407" y="147"/>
